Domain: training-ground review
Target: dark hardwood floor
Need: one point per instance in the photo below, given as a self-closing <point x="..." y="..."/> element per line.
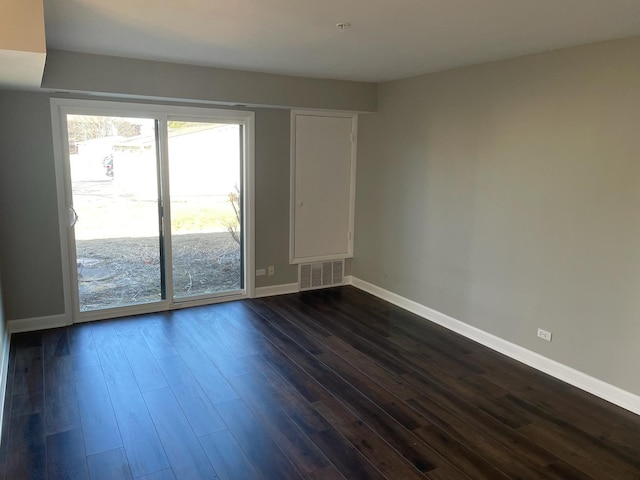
<point x="332" y="384"/>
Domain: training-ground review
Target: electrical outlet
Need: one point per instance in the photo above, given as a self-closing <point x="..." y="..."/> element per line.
<point x="272" y="270"/>
<point x="543" y="334"/>
<point x="260" y="272"/>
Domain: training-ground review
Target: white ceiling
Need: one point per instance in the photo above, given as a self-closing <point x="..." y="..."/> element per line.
<point x="388" y="39"/>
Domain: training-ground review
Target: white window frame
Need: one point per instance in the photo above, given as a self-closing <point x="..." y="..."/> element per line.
<point x="60" y="107"/>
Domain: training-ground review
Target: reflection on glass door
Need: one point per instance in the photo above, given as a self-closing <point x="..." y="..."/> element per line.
<point x="113" y="170"/>
<point x="206" y="215"/>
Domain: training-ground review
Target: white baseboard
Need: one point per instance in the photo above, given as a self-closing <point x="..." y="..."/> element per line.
<point x="38" y="323"/>
<point x="276" y="290"/>
<point x="599" y="388"/>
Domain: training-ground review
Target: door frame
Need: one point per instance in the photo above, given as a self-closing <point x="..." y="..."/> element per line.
<point x="60" y="107"/>
<point x="293" y="207"/>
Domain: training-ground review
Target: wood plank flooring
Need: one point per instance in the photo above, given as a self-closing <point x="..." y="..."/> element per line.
<point x="331" y="384"/>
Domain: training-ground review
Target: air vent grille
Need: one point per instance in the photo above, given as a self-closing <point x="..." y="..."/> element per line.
<point x="321" y="275"/>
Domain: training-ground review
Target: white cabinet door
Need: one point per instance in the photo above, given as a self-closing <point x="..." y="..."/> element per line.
<point x="323" y="180"/>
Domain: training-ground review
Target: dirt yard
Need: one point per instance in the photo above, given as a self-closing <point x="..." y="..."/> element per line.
<point x="124" y="271"/>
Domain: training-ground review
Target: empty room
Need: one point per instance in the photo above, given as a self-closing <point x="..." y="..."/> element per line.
<point x="319" y="240"/>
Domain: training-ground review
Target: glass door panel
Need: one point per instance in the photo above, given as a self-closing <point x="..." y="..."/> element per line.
<point x="206" y="221"/>
<point x="114" y="183"/>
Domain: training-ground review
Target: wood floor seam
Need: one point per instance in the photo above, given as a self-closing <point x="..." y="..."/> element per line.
<point x="332" y="384"/>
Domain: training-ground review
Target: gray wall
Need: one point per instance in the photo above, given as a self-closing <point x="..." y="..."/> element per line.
<point x="506" y="195"/>
<point x="29" y="239"/>
<point x="272" y="197"/>
<point x="29" y="236"/>
<point x="82" y="72"/>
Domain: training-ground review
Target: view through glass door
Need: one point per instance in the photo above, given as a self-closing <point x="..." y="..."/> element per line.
<point x="115" y="194"/>
<point x="123" y="191"/>
<point x="206" y="215"/>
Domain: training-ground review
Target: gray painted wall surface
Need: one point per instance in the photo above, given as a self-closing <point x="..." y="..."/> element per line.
<point x="272" y="197"/>
<point x="82" y="72"/>
<point x="506" y="195"/>
<point x="29" y="238"/>
<point x="29" y="235"/>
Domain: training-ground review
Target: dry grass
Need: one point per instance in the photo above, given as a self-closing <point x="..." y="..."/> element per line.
<point x="124" y="271"/>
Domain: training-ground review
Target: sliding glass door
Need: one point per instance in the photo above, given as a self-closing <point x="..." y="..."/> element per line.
<point x="113" y="167"/>
<point x="154" y="205"/>
<point x="206" y="215"/>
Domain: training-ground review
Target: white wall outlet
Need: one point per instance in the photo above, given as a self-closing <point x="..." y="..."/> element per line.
<point x="260" y="272"/>
<point x="272" y="270"/>
<point x="543" y="334"/>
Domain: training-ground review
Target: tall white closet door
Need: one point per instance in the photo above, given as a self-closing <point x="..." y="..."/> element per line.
<point x="323" y="186"/>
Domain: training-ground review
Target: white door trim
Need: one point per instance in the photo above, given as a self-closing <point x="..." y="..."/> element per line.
<point x="292" y="184"/>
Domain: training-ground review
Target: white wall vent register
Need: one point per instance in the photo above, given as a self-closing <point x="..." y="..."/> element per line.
<point x="321" y="274"/>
